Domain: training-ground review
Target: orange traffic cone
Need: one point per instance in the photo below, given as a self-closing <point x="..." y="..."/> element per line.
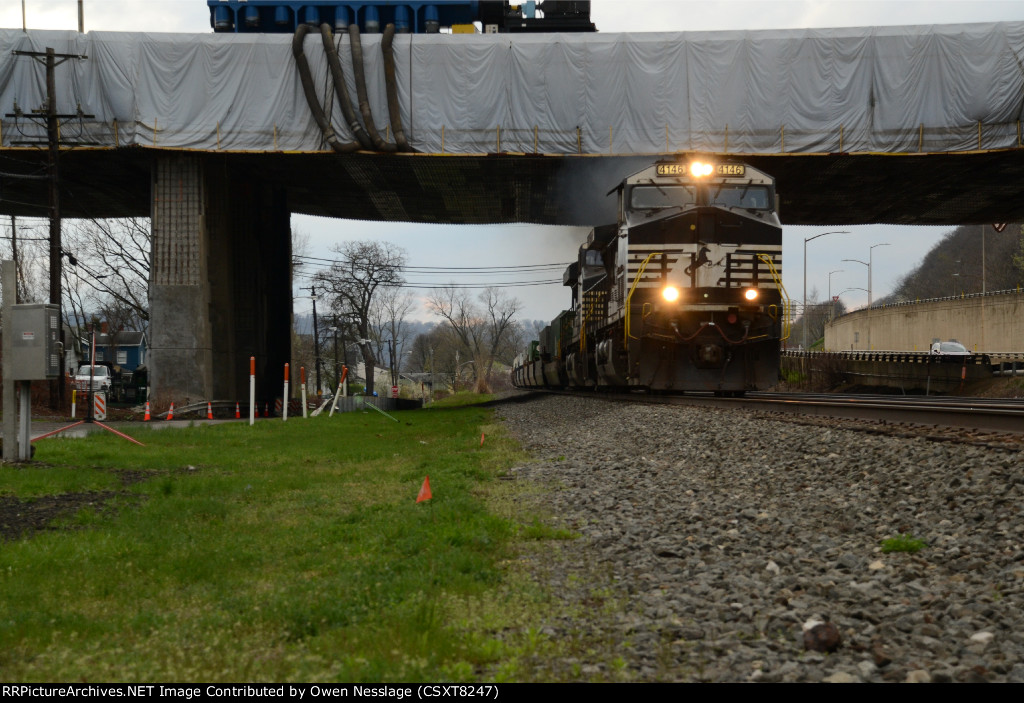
<point x="424" y="491"/>
<point x="238" y="412"/>
<point x="209" y="411"/>
<point x="170" y="413"/>
<point x="145" y="418"/>
<point x="266" y="410"/>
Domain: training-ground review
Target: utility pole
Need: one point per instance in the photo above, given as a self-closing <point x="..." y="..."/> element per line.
<point x="984" y="289"/>
<point x="14" y="255"/>
<point x="316" y="339"/>
<point x="48" y="112"/>
<point x="336" y="367"/>
<point x="394" y="368"/>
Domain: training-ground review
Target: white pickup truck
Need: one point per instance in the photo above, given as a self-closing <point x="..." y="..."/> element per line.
<point x="101" y="379"/>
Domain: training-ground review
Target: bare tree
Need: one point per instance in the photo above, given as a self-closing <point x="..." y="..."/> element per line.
<point x="111" y="259"/>
<point x="388" y="320"/>
<point x="815" y="317"/>
<point x="481" y="329"/>
<point x="353" y="285"/>
<point x="24" y="241"/>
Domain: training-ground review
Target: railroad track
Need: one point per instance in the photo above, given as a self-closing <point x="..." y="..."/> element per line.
<point x="981" y="414"/>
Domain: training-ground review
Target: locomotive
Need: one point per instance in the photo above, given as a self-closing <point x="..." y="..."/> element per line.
<point x="408" y="16"/>
<point x="683" y="293"/>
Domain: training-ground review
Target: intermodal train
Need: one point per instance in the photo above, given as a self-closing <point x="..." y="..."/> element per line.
<point x="683" y="293"/>
<point x="408" y="16"/>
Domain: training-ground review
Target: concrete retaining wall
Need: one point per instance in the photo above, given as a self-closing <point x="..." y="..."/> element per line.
<point x="985" y="324"/>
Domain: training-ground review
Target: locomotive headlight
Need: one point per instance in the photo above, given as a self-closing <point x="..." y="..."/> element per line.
<point x="750" y="294"/>
<point x="670" y="294"/>
<point x="699" y="169"/>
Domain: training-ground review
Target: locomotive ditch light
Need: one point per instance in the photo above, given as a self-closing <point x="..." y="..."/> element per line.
<point x="750" y="294"/>
<point x="670" y="294"/>
<point x="699" y="169"/>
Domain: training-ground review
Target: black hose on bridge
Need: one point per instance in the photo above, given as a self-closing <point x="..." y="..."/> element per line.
<point x="394" y="111"/>
<point x="367" y="138"/>
<point x="311" y="98"/>
<point x="364" y="102"/>
<point x="341" y="89"/>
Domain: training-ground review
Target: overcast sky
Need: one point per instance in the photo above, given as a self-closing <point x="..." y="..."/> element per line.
<point x="528" y="244"/>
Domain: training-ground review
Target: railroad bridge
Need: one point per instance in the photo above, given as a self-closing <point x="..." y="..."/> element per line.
<point x="217" y="138"/>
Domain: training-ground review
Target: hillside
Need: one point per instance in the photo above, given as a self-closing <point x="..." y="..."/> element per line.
<point x="954" y="265"/>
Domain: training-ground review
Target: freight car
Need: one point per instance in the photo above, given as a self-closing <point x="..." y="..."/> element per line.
<point x="683" y="293"/>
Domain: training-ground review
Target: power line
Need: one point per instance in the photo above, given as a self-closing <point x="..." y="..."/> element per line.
<point x="447" y="269"/>
<point x="432" y="285"/>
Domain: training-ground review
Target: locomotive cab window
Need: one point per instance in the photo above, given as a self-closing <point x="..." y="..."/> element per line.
<point x="655" y="197"/>
<point x="749" y="197"/>
<point x="593" y="268"/>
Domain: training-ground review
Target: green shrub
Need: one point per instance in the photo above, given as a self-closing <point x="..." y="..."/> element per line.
<point x="903" y="543"/>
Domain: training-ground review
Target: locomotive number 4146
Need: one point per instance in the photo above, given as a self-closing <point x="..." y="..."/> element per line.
<point x="720" y="169"/>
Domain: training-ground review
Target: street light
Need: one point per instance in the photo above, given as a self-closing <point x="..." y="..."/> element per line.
<point x="868" y="263"/>
<point x="847" y="290"/>
<point x="808" y="239"/>
<point x="871" y="253"/>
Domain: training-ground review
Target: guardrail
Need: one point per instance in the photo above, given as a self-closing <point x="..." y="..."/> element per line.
<point x="902" y="357"/>
<point x="919" y="301"/>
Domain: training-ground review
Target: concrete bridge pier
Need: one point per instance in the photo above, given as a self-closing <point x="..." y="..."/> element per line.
<point x="220" y="282"/>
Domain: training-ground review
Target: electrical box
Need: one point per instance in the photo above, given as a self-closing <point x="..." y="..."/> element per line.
<point x="35" y="342"/>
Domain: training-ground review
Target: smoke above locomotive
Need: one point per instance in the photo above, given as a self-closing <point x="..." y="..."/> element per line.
<point x="683" y="292"/>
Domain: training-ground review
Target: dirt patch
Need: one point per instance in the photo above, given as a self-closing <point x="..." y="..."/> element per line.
<point x="999" y="387"/>
<point x="23" y="518"/>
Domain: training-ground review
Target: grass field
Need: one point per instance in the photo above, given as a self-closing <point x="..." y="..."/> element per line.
<point x="280" y="552"/>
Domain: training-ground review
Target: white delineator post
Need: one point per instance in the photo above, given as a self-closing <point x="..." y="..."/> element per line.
<point x="302" y="377"/>
<point x="284" y="404"/>
<point x="252" y="390"/>
<point x="334" y="405"/>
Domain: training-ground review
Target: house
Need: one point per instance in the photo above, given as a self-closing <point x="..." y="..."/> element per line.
<point x="126" y="351"/>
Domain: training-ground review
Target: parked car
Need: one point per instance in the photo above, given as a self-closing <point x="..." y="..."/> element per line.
<point x="102" y="379"/>
<point x="950" y="348"/>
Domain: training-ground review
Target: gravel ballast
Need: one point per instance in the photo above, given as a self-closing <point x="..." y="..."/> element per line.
<point x="725" y="535"/>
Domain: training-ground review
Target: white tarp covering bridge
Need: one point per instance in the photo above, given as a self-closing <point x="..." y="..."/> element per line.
<point x="890" y="90"/>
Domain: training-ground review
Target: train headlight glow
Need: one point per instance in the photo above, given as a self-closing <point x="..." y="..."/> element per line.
<point x="699" y="169"/>
<point x="750" y="294"/>
<point x="670" y="293"/>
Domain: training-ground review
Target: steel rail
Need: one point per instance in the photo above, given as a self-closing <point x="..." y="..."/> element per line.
<point x="961" y="413"/>
<point x="910" y="400"/>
